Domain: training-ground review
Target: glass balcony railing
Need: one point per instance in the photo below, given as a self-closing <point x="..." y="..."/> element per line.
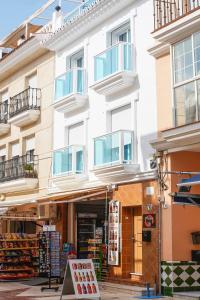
<point x="113" y="148"/>
<point x="69" y="160"/>
<point x="78" y="11"/>
<point x="73" y="81"/>
<point x="117" y="58"/>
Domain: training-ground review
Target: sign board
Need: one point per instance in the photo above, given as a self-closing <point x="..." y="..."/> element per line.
<point x="49" y="227"/>
<point x="149" y="220"/>
<point x="80" y="280"/>
<point x="114" y="233"/>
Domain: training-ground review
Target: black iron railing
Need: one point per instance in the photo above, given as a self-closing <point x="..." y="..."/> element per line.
<point x="19" y="167"/>
<point x="26" y="100"/>
<point x="4" y="112"/>
<point x="167" y="11"/>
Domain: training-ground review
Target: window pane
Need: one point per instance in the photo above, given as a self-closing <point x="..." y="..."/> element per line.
<point x="198" y="97"/>
<point x="185" y="104"/>
<point x="183" y="60"/>
<point x="197" y="53"/>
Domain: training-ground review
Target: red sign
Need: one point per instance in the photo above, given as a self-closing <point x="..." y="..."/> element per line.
<point x="149" y="220"/>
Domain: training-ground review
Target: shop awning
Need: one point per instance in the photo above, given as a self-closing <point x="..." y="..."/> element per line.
<point x="3" y="211"/>
<point x="194" y="180"/>
<point x="186" y="198"/>
<point x="13" y="203"/>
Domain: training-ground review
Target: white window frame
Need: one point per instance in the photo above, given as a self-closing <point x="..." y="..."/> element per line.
<point x="175" y="85"/>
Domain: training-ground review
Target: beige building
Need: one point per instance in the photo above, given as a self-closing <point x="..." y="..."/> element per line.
<point x="26" y="91"/>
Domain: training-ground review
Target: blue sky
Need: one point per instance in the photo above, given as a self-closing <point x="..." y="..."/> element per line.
<point x="14" y="12"/>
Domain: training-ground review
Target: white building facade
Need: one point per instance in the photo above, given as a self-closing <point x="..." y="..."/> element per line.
<point x="105" y="113"/>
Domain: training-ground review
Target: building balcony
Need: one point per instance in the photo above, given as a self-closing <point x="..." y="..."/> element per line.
<point x="25" y="107"/>
<point x="4" y="126"/>
<point x="114" y="156"/>
<point x="70" y="91"/>
<point x="175" y="20"/>
<point x="113" y="69"/>
<point x="69" y="166"/>
<point x="78" y="11"/>
<point x="19" y="174"/>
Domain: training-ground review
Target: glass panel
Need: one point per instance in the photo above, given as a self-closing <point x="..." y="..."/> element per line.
<point x="183" y="60"/>
<point x="79" y="160"/>
<point x="106" y="63"/>
<point x="64" y="85"/>
<point x="80" y="81"/>
<point x="197" y="53"/>
<point x="62" y="161"/>
<point x="67" y="160"/>
<point x="107" y="149"/>
<point x="128" y="146"/>
<point x="128" y="54"/>
<point x="185" y="104"/>
<point x="198" y="98"/>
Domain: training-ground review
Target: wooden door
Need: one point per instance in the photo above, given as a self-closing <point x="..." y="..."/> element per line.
<point x="137" y="239"/>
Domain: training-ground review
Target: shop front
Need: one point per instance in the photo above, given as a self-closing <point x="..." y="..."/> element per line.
<point x="119" y="230"/>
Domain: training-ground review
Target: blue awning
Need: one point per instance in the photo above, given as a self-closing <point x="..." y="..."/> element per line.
<point x="186" y="198"/>
<point x="194" y="180"/>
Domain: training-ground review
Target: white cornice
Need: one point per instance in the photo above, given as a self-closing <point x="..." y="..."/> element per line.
<point x="27" y="51"/>
<point x="96" y="14"/>
<point x="159" y="49"/>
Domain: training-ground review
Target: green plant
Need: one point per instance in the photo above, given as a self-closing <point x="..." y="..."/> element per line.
<point x="28" y="167"/>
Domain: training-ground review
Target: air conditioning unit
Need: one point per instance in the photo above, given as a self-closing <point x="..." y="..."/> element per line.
<point x="46" y="211"/>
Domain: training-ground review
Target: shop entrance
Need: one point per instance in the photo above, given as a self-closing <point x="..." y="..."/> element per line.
<point x="136" y="236"/>
<point x="92" y="233"/>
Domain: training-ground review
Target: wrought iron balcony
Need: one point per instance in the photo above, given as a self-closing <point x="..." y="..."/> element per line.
<point x="19" y="167"/>
<point x="29" y="99"/>
<point x="168" y="11"/>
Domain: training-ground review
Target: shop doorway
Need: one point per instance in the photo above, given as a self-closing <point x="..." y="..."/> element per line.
<point x="92" y="233"/>
<point x="136" y="239"/>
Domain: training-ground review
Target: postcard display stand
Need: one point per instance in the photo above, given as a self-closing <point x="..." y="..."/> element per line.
<point x="80" y="280"/>
<point x="114" y="233"/>
<point x="49" y="256"/>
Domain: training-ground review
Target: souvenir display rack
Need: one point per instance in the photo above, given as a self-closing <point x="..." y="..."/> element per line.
<point x="49" y="256"/>
<point x="114" y="233"/>
<point x="18" y="256"/>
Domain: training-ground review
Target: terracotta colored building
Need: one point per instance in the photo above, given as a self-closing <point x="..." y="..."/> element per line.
<point x="176" y="50"/>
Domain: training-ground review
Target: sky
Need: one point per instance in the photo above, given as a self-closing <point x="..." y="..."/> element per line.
<point x="14" y="12"/>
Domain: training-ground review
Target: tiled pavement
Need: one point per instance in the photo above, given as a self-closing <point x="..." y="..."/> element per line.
<point x="11" y="291"/>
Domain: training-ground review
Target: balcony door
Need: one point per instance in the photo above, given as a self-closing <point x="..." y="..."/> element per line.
<point x="2" y="162"/>
<point x="32" y="94"/>
<point x="15" y="167"/>
<point x="121" y="120"/>
<point x="77" y="63"/>
<point x="76" y="138"/>
<point x="4" y="107"/>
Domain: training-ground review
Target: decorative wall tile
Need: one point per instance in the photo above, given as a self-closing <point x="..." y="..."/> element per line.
<point x="180" y="276"/>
